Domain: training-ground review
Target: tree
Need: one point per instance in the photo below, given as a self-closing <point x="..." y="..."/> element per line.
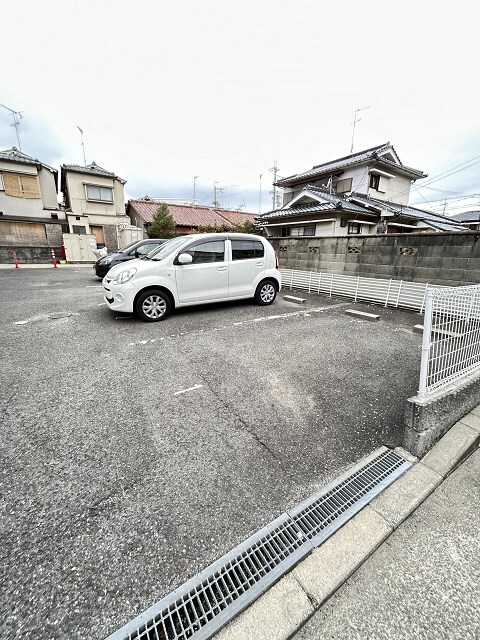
<point x="163" y="224"/>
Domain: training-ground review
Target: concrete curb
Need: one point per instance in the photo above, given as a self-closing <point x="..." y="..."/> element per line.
<point x="289" y="604"/>
<point x="49" y="265"/>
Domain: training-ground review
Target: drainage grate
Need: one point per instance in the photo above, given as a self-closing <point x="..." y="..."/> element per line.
<point x="204" y="604"/>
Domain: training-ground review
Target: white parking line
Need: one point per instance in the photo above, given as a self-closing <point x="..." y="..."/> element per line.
<point x="22" y="322"/>
<point x="284" y="316"/>
<point x="194" y="388"/>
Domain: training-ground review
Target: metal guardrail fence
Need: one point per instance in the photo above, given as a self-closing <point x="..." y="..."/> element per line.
<point x="390" y="293"/>
<point x="451" y="336"/>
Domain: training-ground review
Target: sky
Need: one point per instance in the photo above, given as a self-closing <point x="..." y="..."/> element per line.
<point x="168" y="91"/>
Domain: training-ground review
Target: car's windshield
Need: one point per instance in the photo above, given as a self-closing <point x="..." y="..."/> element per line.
<point x="128" y="247"/>
<point x="167" y="248"/>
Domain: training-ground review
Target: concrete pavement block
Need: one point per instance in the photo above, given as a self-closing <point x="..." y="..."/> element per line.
<point x="472" y="420"/>
<point x="294" y="299"/>
<point x="362" y="315"/>
<point x="327" y="567"/>
<point x="406" y="494"/>
<point x="455" y="445"/>
<point x="274" y="616"/>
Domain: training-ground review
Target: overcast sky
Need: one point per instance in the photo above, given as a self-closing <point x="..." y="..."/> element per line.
<point x="165" y="91"/>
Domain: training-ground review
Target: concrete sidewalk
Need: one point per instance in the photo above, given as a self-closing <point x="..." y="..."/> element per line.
<point x="406" y="567"/>
<point x="423" y="581"/>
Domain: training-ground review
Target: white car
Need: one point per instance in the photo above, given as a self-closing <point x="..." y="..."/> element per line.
<point x="194" y="269"/>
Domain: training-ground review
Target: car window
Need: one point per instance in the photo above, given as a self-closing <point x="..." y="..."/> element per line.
<point x="146" y="248"/>
<point x="128" y="247"/>
<point x="168" y="248"/>
<point x="244" y="249"/>
<point x="212" y="251"/>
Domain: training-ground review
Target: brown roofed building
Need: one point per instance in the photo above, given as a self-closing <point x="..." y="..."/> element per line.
<point x="188" y="218"/>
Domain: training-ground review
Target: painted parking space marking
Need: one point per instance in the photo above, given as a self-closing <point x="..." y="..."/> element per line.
<point x="283" y="316"/>
<point x="194" y="388"/>
<point x="22" y="322"/>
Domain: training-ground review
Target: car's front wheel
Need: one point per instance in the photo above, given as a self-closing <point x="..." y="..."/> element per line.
<point x="153" y="306"/>
<point x="266" y="292"/>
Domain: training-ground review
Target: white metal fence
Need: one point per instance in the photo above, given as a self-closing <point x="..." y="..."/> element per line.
<point x="390" y="293"/>
<point x="451" y="336"/>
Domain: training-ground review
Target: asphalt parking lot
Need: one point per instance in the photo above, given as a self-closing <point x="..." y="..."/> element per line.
<point x="135" y="454"/>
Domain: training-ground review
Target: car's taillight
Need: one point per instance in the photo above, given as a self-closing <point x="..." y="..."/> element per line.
<point x="276" y="260"/>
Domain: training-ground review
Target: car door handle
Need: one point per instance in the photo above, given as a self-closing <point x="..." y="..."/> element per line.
<point x="222" y="269"/>
<point x="259" y="264"/>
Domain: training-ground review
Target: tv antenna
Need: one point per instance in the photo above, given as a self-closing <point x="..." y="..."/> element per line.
<point x="194" y="190"/>
<point x="355" y="120"/>
<point x="17" y="116"/>
<point x="83" y="146"/>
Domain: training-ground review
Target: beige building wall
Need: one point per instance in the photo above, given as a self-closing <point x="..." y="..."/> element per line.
<point x="30" y="207"/>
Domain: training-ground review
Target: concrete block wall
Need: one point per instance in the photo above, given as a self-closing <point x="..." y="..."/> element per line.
<point x="29" y="255"/>
<point x="450" y="259"/>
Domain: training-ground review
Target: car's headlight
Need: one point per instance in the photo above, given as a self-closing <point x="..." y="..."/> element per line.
<point x="124" y="276"/>
<point x="106" y="260"/>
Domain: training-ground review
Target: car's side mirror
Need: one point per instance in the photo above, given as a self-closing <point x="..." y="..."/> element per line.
<point x="184" y="258"/>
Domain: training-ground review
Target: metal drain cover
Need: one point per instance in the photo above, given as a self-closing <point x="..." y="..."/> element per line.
<point x="204" y="604"/>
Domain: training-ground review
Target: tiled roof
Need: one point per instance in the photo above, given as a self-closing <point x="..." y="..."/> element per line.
<point x="190" y="216"/>
<point x="93" y="169"/>
<point x="14" y="155"/>
<point x="361" y="204"/>
<point x="335" y="202"/>
<point x="435" y="220"/>
<point x="466" y="216"/>
<point x="346" y="161"/>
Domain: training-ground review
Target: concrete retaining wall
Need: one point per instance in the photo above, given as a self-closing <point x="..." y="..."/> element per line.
<point x="440" y="258"/>
<point x="29" y="255"/>
<point x="427" y="420"/>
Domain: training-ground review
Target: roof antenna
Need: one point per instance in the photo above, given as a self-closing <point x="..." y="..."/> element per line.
<point x="17" y="116"/>
<point x="355" y="120"/>
<point x="83" y="146"/>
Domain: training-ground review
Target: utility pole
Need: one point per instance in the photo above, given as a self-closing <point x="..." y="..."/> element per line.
<point x="83" y="146"/>
<point x="260" y="195"/>
<point x="275" y="171"/>
<point x="17" y="116"/>
<point x="215" y="203"/>
<point x="194" y="184"/>
<point x="355" y="120"/>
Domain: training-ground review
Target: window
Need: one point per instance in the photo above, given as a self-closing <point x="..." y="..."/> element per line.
<point x="374" y="181"/>
<point x="343" y="186"/>
<point x="286" y="231"/>
<point x="103" y="194"/>
<point x="354" y="227"/>
<point x="308" y="230"/>
<point x="78" y="228"/>
<point x="20" y="186"/>
<point x="245" y="249"/>
<point x="213" y="251"/>
<point x="54" y="216"/>
<point x="144" y="249"/>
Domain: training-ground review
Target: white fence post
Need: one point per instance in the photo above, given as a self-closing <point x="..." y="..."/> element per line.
<point x="426" y="343"/>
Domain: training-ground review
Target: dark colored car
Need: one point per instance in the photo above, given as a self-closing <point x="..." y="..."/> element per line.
<point x="135" y="250"/>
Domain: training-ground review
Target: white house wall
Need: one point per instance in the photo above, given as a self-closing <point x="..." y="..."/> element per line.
<point x="398" y="190"/>
<point x="48" y="188"/>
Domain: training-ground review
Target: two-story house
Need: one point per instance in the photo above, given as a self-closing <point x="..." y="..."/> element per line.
<point x="95" y="202"/>
<point x="31" y="221"/>
<point x="362" y="193"/>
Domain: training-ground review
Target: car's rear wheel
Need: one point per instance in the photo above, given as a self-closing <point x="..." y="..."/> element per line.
<point x="266" y="292"/>
<point x="153" y="306"/>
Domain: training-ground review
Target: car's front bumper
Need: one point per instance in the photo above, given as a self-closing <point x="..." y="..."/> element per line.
<point x="119" y="297"/>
